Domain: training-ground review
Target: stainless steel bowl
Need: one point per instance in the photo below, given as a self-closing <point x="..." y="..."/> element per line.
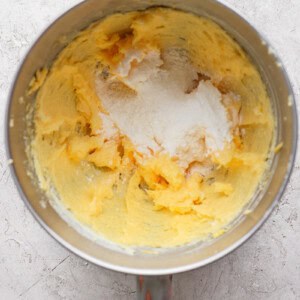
<point x="47" y="48"/>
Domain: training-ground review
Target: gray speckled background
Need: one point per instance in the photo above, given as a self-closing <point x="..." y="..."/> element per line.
<point x="34" y="266"/>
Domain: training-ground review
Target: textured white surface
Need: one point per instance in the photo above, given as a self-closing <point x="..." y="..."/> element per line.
<point x="34" y="266"/>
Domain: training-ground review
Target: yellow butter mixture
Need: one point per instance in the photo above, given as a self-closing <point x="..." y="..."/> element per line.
<point x="153" y="128"/>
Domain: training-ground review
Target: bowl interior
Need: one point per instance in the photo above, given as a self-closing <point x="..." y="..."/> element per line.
<point x="46" y="49"/>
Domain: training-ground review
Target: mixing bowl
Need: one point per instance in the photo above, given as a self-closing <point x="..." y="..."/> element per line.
<point x="44" y="51"/>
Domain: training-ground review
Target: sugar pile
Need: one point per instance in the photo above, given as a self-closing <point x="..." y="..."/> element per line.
<point x="159" y="102"/>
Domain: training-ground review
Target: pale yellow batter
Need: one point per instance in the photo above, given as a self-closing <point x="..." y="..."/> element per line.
<point x="150" y="201"/>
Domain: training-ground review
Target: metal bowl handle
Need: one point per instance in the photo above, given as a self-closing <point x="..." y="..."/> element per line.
<point x="154" y="287"/>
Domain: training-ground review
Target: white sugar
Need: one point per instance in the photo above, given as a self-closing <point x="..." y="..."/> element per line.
<point x="165" y="112"/>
